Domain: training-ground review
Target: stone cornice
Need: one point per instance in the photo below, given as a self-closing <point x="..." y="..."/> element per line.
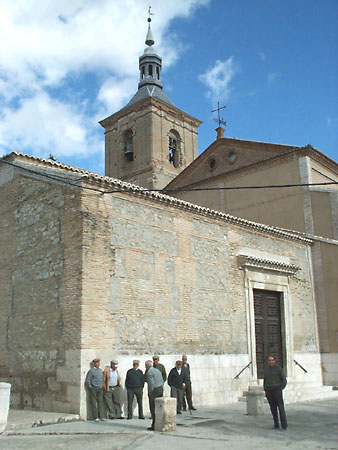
<point x="250" y="262"/>
<point x="114" y="186"/>
<point x="143" y="104"/>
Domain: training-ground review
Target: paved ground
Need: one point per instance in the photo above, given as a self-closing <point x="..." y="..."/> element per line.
<point x="312" y="425"/>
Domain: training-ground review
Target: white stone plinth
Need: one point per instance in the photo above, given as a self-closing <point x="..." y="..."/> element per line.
<point x="165" y="414"/>
<point x="5" y="390"/>
<point x="255" y="401"/>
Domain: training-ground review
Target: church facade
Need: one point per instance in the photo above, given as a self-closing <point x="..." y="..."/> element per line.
<point x="98" y="266"/>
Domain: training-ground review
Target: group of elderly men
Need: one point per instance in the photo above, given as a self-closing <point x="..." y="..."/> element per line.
<point x="104" y="387"/>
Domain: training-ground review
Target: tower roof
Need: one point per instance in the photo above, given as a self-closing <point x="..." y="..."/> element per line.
<point x="150" y="64"/>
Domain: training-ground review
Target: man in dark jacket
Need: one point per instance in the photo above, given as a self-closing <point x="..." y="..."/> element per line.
<point x="177" y="381"/>
<point x="134" y="384"/>
<point x="274" y="383"/>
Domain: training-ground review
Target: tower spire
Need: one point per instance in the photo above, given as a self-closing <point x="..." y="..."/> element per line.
<point x="150" y="62"/>
<point x="149" y="39"/>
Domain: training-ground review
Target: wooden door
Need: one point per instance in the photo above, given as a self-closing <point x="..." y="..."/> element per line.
<point x="267" y="306"/>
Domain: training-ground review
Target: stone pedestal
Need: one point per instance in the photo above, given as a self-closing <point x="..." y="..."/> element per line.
<point x="5" y="390"/>
<point x="255" y="400"/>
<point x="165" y="414"/>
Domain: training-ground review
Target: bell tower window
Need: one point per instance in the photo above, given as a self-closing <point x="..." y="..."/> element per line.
<point x="128" y="145"/>
<point x="150" y="70"/>
<point x="157" y="72"/>
<point x="174" y="148"/>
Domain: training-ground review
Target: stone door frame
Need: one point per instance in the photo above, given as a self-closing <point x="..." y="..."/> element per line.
<point x="270" y="276"/>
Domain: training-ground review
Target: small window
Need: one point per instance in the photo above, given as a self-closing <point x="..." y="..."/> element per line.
<point x="128" y="145"/>
<point x="150" y="71"/>
<point x="157" y="72"/>
<point x="174" y="148"/>
<point x="143" y="73"/>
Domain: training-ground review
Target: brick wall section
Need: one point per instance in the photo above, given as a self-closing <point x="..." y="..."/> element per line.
<point x="174" y="283"/>
<point x="40" y="287"/>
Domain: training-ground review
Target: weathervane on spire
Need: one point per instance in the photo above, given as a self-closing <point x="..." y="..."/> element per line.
<point x="220" y="120"/>
<point x="150" y="14"/>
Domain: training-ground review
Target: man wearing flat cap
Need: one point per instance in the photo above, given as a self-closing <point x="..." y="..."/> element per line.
<point x="177" y="381"/>
<point x="159" y="366"/>
<point x="111" y="390"/>
<point x="94" y="381"/>
<point x="134" y="384"/>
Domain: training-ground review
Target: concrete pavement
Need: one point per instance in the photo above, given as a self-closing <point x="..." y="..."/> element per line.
<point x="312" y="425"/>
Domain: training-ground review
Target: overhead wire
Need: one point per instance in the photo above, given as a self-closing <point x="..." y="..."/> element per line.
<point x="165" y="191"/>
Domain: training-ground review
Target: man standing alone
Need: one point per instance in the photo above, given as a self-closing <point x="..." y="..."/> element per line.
<point x="94" y="381"/>
<point x="155" y="388"/>
<point x="274" y="383"/>
<point x="188" y="391"/>
<point x="111" y="387"/>
<point x="134" y="384"/>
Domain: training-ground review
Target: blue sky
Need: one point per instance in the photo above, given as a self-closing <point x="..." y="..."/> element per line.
<point x="65" y="65"/>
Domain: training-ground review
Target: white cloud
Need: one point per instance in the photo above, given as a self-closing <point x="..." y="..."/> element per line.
<point x="272" y="76"/>
<point x="332" y="121"/>
<point x="46" y="126"/>
<point x="218" y="79"/>
<point x="48" y="44"/>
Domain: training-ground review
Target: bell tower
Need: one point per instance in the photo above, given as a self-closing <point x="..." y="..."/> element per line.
<point x="149" y="141"/>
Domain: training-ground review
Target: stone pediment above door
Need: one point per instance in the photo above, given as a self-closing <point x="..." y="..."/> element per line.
<point x="252" y="262"/>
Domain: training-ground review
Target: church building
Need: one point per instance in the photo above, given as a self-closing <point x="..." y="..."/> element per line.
<point x="108" y="267"/>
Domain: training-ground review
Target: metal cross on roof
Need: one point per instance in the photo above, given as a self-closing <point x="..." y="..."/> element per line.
<point x="150" y="13"/>
<point x="219" y="120"/>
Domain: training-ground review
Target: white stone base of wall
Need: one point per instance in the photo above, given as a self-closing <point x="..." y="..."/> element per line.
<point x="212" y="377"/>
<point x="330" y="368"/>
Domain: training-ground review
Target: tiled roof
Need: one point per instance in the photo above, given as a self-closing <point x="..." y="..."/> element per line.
<point x="164" y="198"/>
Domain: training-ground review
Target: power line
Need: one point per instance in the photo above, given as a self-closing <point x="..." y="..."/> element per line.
<point x="165" y="191"/>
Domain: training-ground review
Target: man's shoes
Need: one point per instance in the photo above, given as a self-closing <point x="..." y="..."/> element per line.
<point x="150" y="428"/>
<point x="121" y="417"/>
<point x="193" y="408"/>
<point x="284" y="428"/>
<point x="142" y="417"/>
<point x="97" y="419"/>
<point x="184" y="409"/>
<point x="179" y="412"/>
<point x="129" y="418"/>
<point x="275" y="427"/>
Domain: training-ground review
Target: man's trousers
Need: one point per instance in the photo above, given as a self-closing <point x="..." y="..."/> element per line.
<point x="187" y="394"/>
<point x="96" y="400"/>
<point x="112" y="401"/>
<point x="178" y="394"/>
<point x="275" y="399"/>
<point x="138" y="392"/>
<point x="155" y="393"/>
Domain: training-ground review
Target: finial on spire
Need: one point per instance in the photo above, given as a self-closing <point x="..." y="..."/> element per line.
<point x="149" y="39"/>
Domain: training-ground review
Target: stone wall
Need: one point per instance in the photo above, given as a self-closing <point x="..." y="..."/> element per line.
<point x="40" y="266"/>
